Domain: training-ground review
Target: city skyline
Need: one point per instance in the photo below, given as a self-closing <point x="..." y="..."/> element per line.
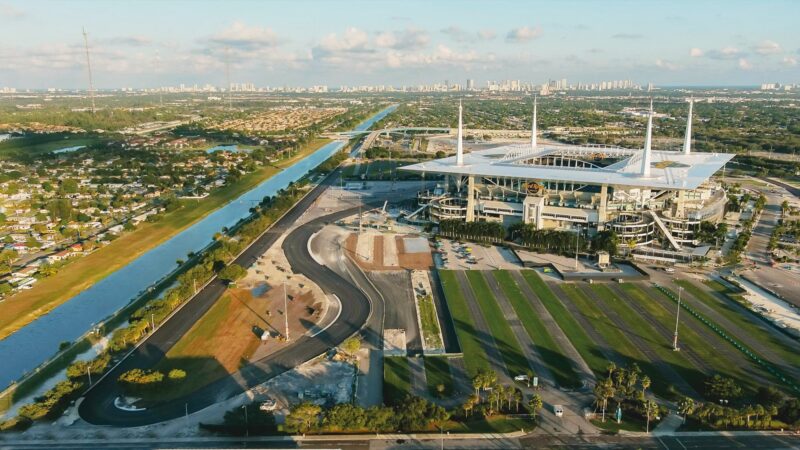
<point x="148" y="44"/>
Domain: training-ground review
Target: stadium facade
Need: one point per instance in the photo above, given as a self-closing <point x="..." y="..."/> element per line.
<point x="653" y="199"/>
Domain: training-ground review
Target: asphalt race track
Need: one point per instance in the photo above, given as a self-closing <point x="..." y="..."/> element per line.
<point x="98" y="404"/>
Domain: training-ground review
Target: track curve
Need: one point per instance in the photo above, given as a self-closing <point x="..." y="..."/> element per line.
<point x="98" y="407"/>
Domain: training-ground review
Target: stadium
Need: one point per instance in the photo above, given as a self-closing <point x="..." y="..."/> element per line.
<point x="653" y="199"/>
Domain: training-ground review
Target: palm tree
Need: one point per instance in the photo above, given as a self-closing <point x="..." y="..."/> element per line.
<point x="603" y="391"/>
<point x="650" y="410"/>
<point x="535" y="404"/>
<point x="611" y="367"/>
<point x="645" y="384"/>
<point x="686" y="406"/>
<point x="517" y="397"/>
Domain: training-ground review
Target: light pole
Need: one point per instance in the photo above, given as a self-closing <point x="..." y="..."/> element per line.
<point x="246" y="423"/>
<point x="677" y="317"/>
<point x="285" y="311"/>
<point x="89" y="374"/>
<point x="577" y="240"/>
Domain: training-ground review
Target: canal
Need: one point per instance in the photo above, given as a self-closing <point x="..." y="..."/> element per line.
<point x="29" y="347"/>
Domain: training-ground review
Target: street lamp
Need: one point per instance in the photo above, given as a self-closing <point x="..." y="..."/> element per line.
<point x="577" y="239"/>
<point x="677" y="317"/>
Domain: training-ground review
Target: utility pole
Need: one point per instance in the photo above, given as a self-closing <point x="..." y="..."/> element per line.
<point x="285" y="311"/>
<point x="89" y="67"/>
<point x="677" y="317"/>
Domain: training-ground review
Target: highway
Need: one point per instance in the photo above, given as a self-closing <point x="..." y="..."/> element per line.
<point x="98" y="405"/>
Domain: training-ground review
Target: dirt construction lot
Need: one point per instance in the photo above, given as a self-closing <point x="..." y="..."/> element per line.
<point x="385" y="251"/>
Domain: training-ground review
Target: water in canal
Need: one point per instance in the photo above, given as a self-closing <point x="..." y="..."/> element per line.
<point x="29" y="347"/>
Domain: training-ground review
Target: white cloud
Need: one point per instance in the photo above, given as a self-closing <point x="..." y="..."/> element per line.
<point x="696" y="52"/>
<point x="11" y="12"/>
<point x="724" y="53"/>
<point x="458" y="34"/>
<point x="352" y="40"/>
<point x="767" y="47"/>
<point x="789" y="61"/>
<point x="408" y="39"/>
<point x="131" y="41"/>
<point x="523" y="34"/>
<point x="240" y="35"/>
<point x="745" y="64"/>
<point x="667" y="65"/>
<point x="487" y="34"/>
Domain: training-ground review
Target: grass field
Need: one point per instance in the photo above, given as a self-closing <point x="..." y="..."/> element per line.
<point x="23" y="307"/>
<point x="437" y="371"/>
<point x="195" y="352"/>
<point x="616" y="338"/>
<point x="396" y="379"/>
<point x="507" y="344"/>
<point x="551" y="354"/>
<point x="474" y="355"/>
<point x="691" y="340"/>
<point x="660" y="344"/>
<point x="429" y="321"/>
<point x="43" y="143"/>
<point x="734" y="313"/>
<point x="580" y="340"/>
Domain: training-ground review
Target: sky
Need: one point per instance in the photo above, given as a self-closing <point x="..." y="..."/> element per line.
<point x="147" y="43"/>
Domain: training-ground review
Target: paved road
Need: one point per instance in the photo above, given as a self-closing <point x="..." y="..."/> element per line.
<point x="538" y="440"/>
<point x="401" y="310"/>
<point x="98" y="405"/>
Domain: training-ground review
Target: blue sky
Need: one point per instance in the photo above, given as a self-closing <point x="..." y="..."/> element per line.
<point x="276" y="43"/>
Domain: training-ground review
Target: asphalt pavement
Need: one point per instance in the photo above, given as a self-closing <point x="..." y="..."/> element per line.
<point x="98" y="405"/>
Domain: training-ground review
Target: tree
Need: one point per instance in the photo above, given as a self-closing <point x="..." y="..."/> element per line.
<point x="303" y="417"/>
<point x="535" y="404"/>
<point x="686" y="406"/>
<point x="603" y="390"/>
<point x="351" y="346"/>
<point x="345" y="416"/>
<point x="721" y="388"/>
<point x="645" y="384"/>
<point x="176" y="375"/>
<point x="232" y="272"/>
<point x="650" y="410"/>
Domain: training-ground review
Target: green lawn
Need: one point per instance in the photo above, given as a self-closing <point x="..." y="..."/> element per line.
<point x="437" y="371"/>
<point x="43" y="143"/>
<point x="396" y="379"/>
<point x="734" y="313"/>
<point x="504" y="338"/>
<point x="662" y="345"/>
<point x="474" y="355"/>
<point x="580" y="340"/>
<point x="495" y="424"/>
<point x="429" y="321"/>
<point x="23" y="307"/>
<point x="551" y="354"/>
<point x="616" y="338"/>
<point x="691" y="340"/>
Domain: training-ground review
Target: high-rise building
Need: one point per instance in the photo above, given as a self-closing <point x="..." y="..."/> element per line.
<point x="470" y="84"/>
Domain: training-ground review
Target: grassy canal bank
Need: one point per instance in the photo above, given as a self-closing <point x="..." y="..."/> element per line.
<point x="24" y="307"/>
